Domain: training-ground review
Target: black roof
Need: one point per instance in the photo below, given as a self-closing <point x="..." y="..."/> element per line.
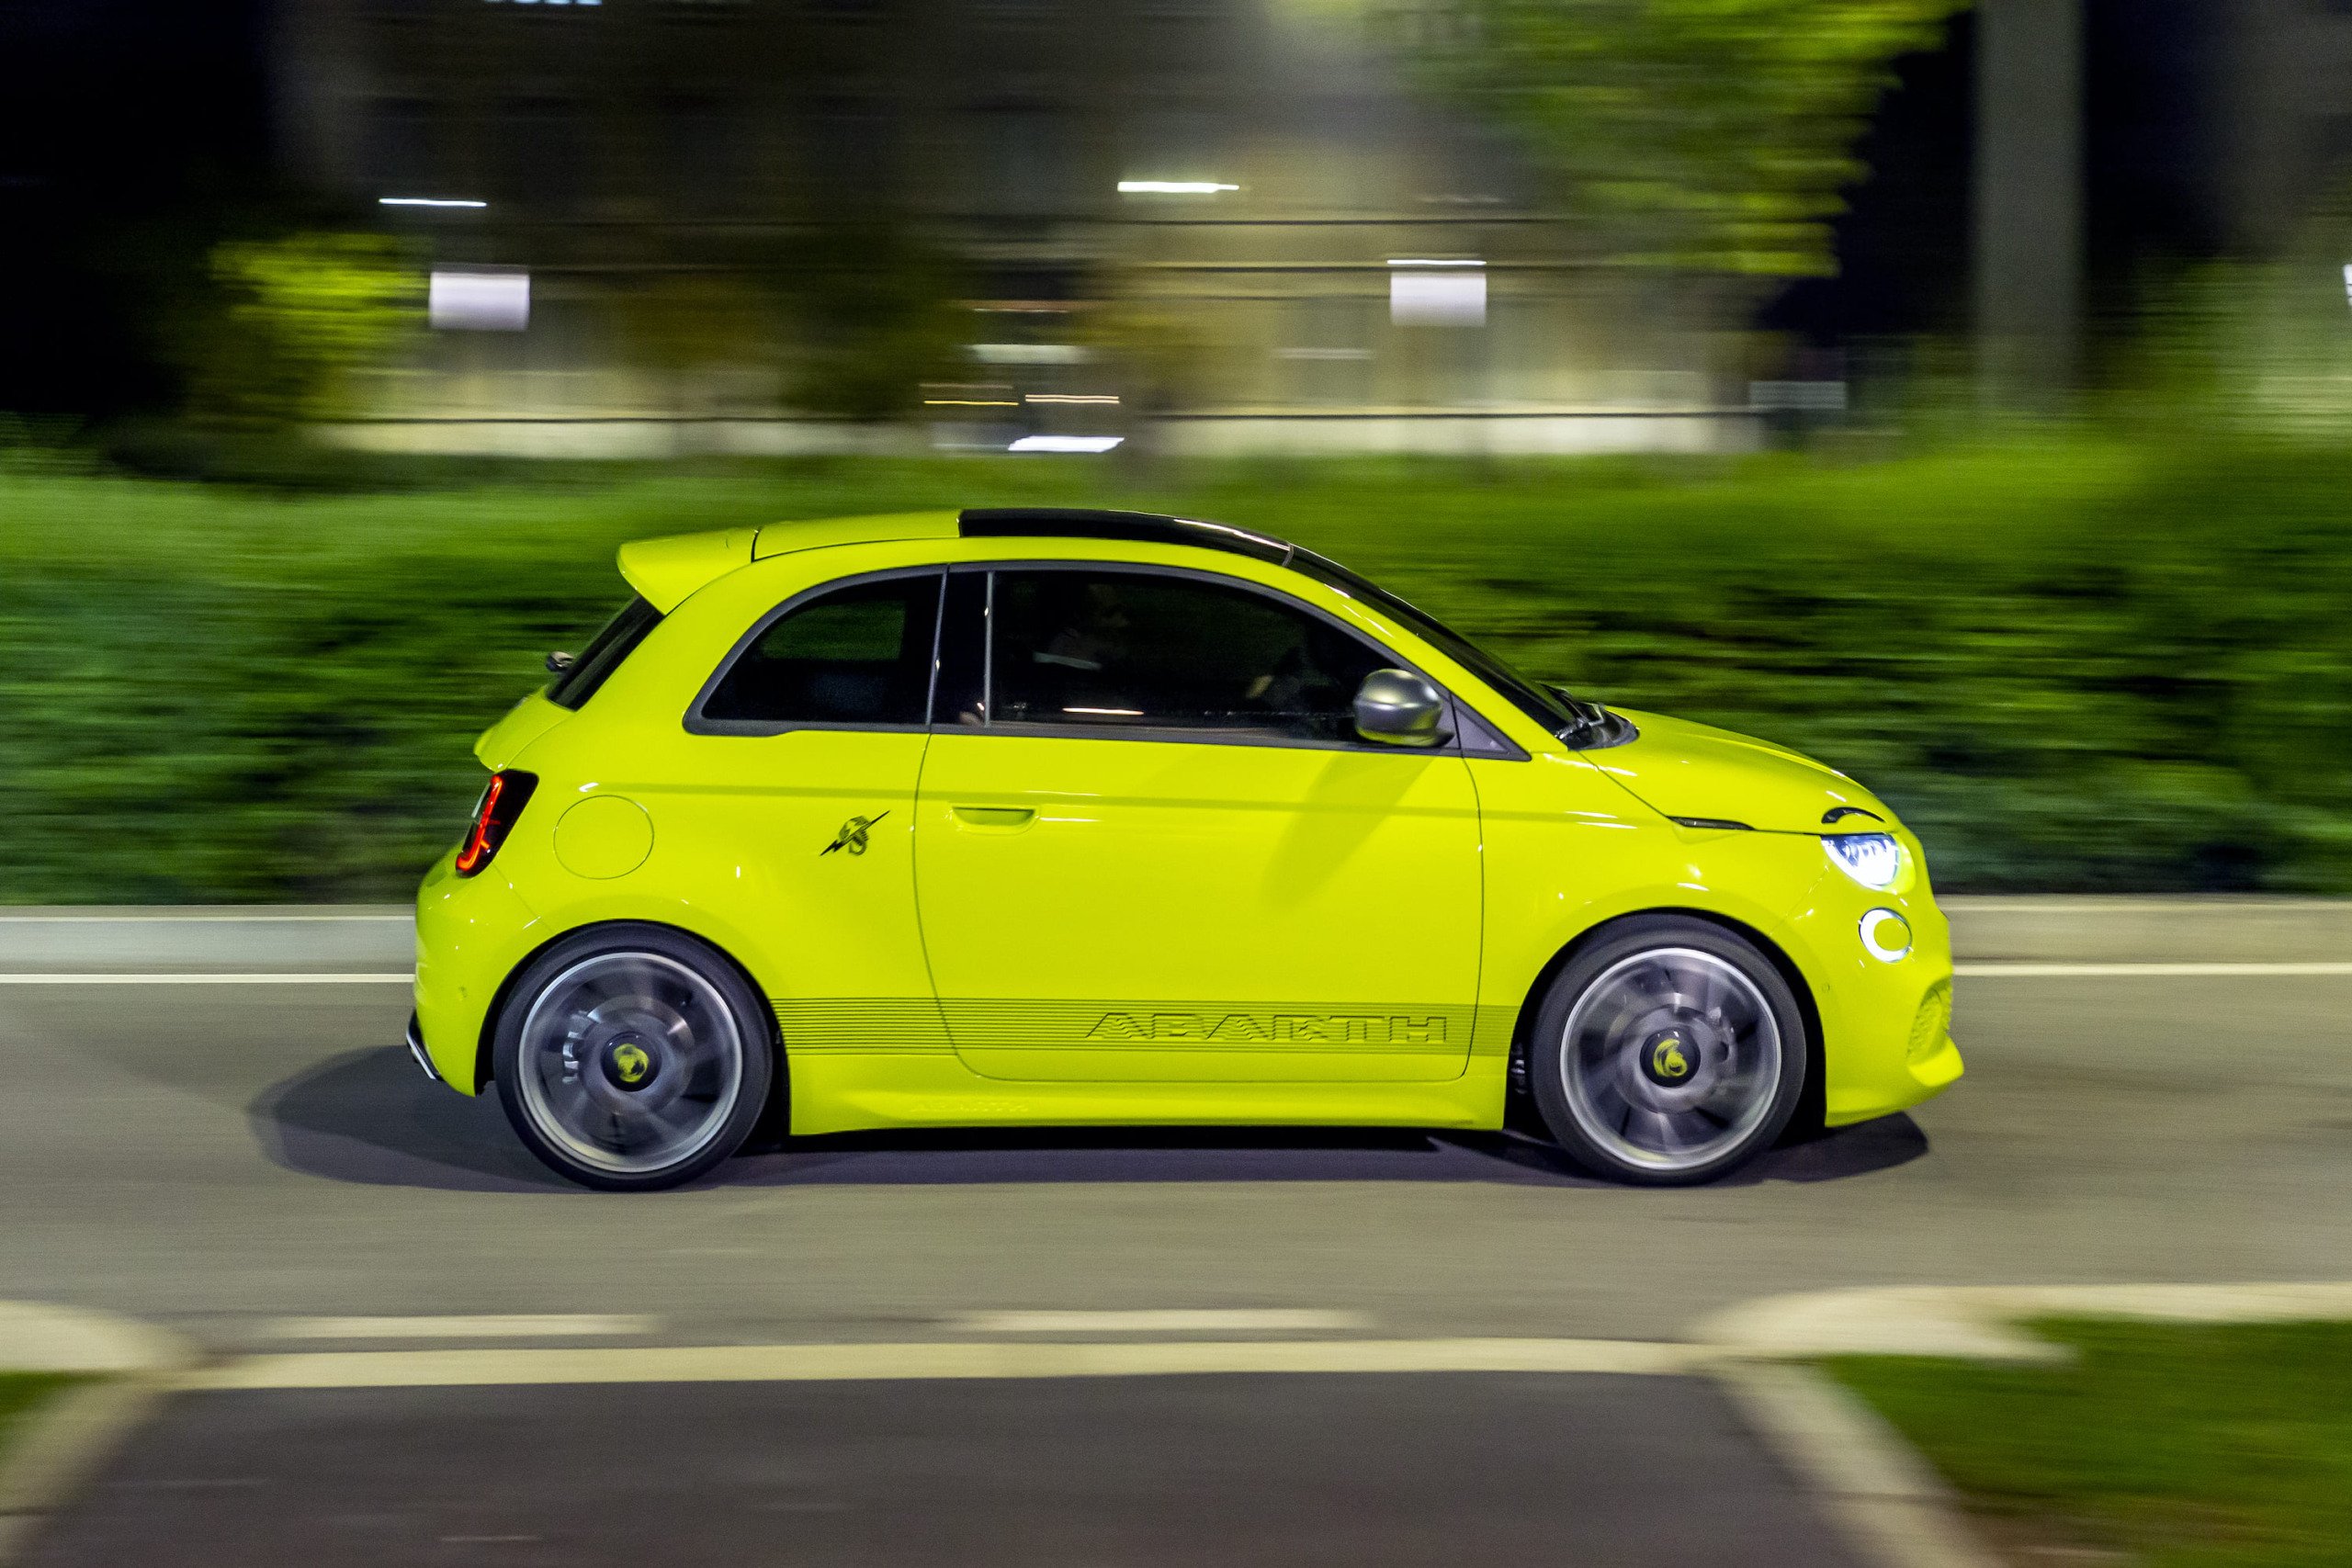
<point x="1146" y="527"/>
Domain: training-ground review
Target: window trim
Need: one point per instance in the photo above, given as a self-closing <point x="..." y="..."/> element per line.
<point x="577" y="683"/>
<point x="696" y="724"/>
<point x="1468" y="732"/>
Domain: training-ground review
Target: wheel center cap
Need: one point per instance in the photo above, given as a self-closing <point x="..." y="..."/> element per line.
<point x="629" y="1065"/>
<point x="1668" y="1059"/>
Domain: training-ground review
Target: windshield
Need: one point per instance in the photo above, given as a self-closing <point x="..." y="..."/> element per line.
<point x="1546" y="707"/>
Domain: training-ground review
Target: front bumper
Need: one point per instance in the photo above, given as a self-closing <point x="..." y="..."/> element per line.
<point x="1886" y="1027"/>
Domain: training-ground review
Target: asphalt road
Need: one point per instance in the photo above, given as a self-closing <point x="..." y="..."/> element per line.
<point x="239" y="1162"/>
<point x="1149" y="1472"/>
<point x="219" y="1158"/>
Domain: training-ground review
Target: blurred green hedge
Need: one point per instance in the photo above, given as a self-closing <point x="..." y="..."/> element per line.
<point x="2073" y="665"/>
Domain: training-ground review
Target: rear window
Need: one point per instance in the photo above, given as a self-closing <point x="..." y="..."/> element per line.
<point x="858" y="655"/>
<point x="603" y="655"/>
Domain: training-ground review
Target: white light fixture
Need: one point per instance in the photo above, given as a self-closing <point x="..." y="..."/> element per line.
<point x="1886" y="936"/>
<point x="1030" y="352"/>
<point x="479" y="301"/>
<point x="426" y="201"/>
<point x="1172" y="188"/>
<point x="1066" y="444"/>
<point x="1431" y="291"/>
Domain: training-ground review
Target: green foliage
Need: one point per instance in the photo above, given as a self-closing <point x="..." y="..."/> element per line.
<point x="303" y="313"/>
<point x="1708" y="134"/>
<point x="2078" y="666"/>
<point x="2185" y="1447"/>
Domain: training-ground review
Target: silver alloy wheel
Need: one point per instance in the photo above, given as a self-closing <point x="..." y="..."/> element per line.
<point x="631" y="1062"/>
<point x="1670" y="1058"/>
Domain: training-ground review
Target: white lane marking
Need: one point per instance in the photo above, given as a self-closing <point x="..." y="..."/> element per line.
<point x="941" y="1360"/>
<point x="2136" y="971"/>
<point x="1273" y="1320"/>
<point x="386" y="979"/>
<point x="509" y="1326"/>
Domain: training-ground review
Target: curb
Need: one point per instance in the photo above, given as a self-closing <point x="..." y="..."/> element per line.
<point x="1858" y="1469"/>
<point x="2056" y="928"/>
<point x="1859" y="1472"/>
<point x="63" y="1445"/>
<point x="2086" y="930"/>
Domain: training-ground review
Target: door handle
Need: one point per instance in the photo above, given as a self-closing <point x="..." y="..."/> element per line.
<point x="993" y="818"/>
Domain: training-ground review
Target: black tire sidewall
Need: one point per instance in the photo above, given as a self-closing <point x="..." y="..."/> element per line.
<point x="752" y="1022"/>
<point x="1611" y="946"/>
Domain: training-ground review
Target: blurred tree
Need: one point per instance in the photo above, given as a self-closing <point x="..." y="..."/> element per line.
<point x="1714" y="135"/>
<point x="1155" y="355"/>
<point x="302" y="313"/>
<point x="710" y="337"/>
<point x="874" y="314"/>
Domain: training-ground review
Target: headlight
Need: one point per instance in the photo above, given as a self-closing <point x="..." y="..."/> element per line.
<point x="1875" y="860"/>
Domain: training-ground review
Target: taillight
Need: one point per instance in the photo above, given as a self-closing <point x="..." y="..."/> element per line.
<point x="503" y="802"/>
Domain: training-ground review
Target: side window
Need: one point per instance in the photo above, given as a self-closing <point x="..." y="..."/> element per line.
<point x="1140" y="650"/>
<point x="857" y="655"/>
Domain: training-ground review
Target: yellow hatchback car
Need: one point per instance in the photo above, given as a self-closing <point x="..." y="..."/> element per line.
<point x="1048" y="818"/>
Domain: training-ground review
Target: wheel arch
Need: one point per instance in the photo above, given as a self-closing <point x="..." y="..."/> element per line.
<point x="1810" y="1109"/>
<point x="483" y="1046"/>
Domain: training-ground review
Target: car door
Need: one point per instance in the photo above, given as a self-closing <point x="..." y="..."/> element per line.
<point x="1150" y="845"/>
<point x="794" y="787"/>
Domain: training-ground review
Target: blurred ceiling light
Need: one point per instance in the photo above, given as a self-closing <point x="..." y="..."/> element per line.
<point x="1071" y="398"/>
<point x="427" y="201"/>
<point x="1335" y="354"/>
<point x="2347" y="283"/>
<point x="1030" y="352"/>
<point x="1172" y="188"/>
<point x="479" y="301"/>
<point x="1431" y="261"/>
<point x="1437" y="293"/>
<point x="1066" y="444"/>
<point x="969" y="404"/>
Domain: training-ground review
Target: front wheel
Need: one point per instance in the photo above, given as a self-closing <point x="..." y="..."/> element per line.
<point x="1671" y="1052"/>
<point x="631" y="1058"/>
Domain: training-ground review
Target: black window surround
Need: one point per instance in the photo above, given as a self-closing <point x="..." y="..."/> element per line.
<point x="955" y="646"/>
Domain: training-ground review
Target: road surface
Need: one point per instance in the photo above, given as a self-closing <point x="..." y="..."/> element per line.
<point x="255" y="1165"/>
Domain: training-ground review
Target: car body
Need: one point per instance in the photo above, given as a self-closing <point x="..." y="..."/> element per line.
<point x="876" y="786"/>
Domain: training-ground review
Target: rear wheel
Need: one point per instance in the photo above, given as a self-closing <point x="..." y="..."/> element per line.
<point x="1669" y="1052"/>
<point x="630" y="1057"/>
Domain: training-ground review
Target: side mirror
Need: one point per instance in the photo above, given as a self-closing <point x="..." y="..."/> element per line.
<point x="559" y="662"/>
<point x="1397" y="707"/>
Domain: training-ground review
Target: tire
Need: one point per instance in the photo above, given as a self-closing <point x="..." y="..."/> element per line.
<point x="632" y="1057"/>
<point x="1668" y="1052"/>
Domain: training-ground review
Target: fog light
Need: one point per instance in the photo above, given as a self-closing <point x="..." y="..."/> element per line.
<point x="1887" y="935"/>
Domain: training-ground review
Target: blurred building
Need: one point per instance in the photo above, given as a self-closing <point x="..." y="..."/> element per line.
<point x="1311" y="258"/>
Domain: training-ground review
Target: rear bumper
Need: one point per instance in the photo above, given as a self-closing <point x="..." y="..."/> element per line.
<point x="416" y="1048"/>
<point x="471" y="932"/>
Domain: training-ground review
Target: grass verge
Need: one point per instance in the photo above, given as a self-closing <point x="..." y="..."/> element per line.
<point x="22" y="1396"/>
<point x="2171" y="1446"/>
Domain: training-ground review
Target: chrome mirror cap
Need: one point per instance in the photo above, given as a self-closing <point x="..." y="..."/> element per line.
<point x="1397" y="707"/>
